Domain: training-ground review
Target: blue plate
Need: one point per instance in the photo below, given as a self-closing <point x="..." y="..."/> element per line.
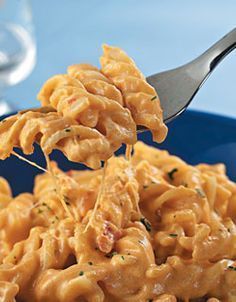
<point x="194" y="136"/>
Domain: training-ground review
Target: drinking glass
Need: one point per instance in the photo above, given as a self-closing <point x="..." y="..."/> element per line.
<point x="17" y="47"/>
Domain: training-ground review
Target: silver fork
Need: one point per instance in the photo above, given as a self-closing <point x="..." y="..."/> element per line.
<point x="177" y="87"/>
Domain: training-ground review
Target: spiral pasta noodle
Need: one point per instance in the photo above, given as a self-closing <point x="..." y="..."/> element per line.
<point x="51" y="131"/>
<point x="95" y="82"/>
<point x="141" y="98"/>
<point x="163" y="230"/>
<point x="90" y="109"/>
<point x="5" y="193"/>
<point x="147" y="227"/>
<point x="87" y="109"/>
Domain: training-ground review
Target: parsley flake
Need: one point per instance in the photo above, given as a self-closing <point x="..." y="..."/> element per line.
<point x="173" y="235"/>
<point x="146" y="223"/>
<point x="200" y="192"/>
<point x="122" y="257"/>
<point x="153" y="98"/>
<point x="66" y="200"/>
<point x="67" y="130"/>
<point x="231" y="268"/>
<point x="47" y="206"/>
<point x="90" y="263"/>
<point x="111" y="254"/>
<point x="81" y="273"/>
<point x="171" y="173"/>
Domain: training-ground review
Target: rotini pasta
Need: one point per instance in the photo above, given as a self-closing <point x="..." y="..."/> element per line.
<point x="163" y="231"/>
<point x="143" y="228"/>
<point x="51" y="131"/>
<point x="141" y="98"/>
<point x="89" y="109"/>
<point x="95" y="82"/>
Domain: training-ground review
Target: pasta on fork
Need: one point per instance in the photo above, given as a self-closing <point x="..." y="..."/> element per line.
<point x="52" y="131"/>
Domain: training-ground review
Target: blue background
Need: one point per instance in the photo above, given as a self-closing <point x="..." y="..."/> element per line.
<point x="159" y="35"/>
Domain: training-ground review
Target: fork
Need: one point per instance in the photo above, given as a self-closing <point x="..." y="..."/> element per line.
<point x="177" y="87"/>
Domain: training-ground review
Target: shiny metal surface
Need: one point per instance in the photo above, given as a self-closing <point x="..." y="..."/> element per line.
<point x="177" y="87"/>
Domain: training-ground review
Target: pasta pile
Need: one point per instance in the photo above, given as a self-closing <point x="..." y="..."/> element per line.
<point x="143" y="228"/>
<point x="88" y="113"/>
<point x="163" y="231"/>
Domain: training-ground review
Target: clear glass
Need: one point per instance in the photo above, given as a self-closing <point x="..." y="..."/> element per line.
<point x="17" y="46"/>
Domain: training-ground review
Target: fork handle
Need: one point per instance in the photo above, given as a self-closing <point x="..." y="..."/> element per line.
<point x="216" y="53"/>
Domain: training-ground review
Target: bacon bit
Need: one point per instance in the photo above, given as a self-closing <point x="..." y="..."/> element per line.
<point x="69" y="173"/>
<point x="72" y="100"/>
<point x="109" y="236"/>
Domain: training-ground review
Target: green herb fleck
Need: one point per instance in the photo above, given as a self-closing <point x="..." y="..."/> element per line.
<point x="173" y="235"/>
<point x="111" y="254"/>
<point x="47" y="206"/>
<point x="40" y="211"/>
<point x="122" y="257"/>
<point x="57" y="218"/>
<point x="67" y="200"/>
<point x="200" y="192"/>
<point x="81" y="273"/>
<point x="155" y="254"/>
<point x="67" y="130"/>
<point x="154" y="97"/>
<point x="90" y="263"/>
<point x="231" y="268"/>
<point x="146" y="223"/>
<point x="171" y="173"/>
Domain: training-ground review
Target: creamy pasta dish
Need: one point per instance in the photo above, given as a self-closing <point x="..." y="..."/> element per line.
<point x="142" y="227"/>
